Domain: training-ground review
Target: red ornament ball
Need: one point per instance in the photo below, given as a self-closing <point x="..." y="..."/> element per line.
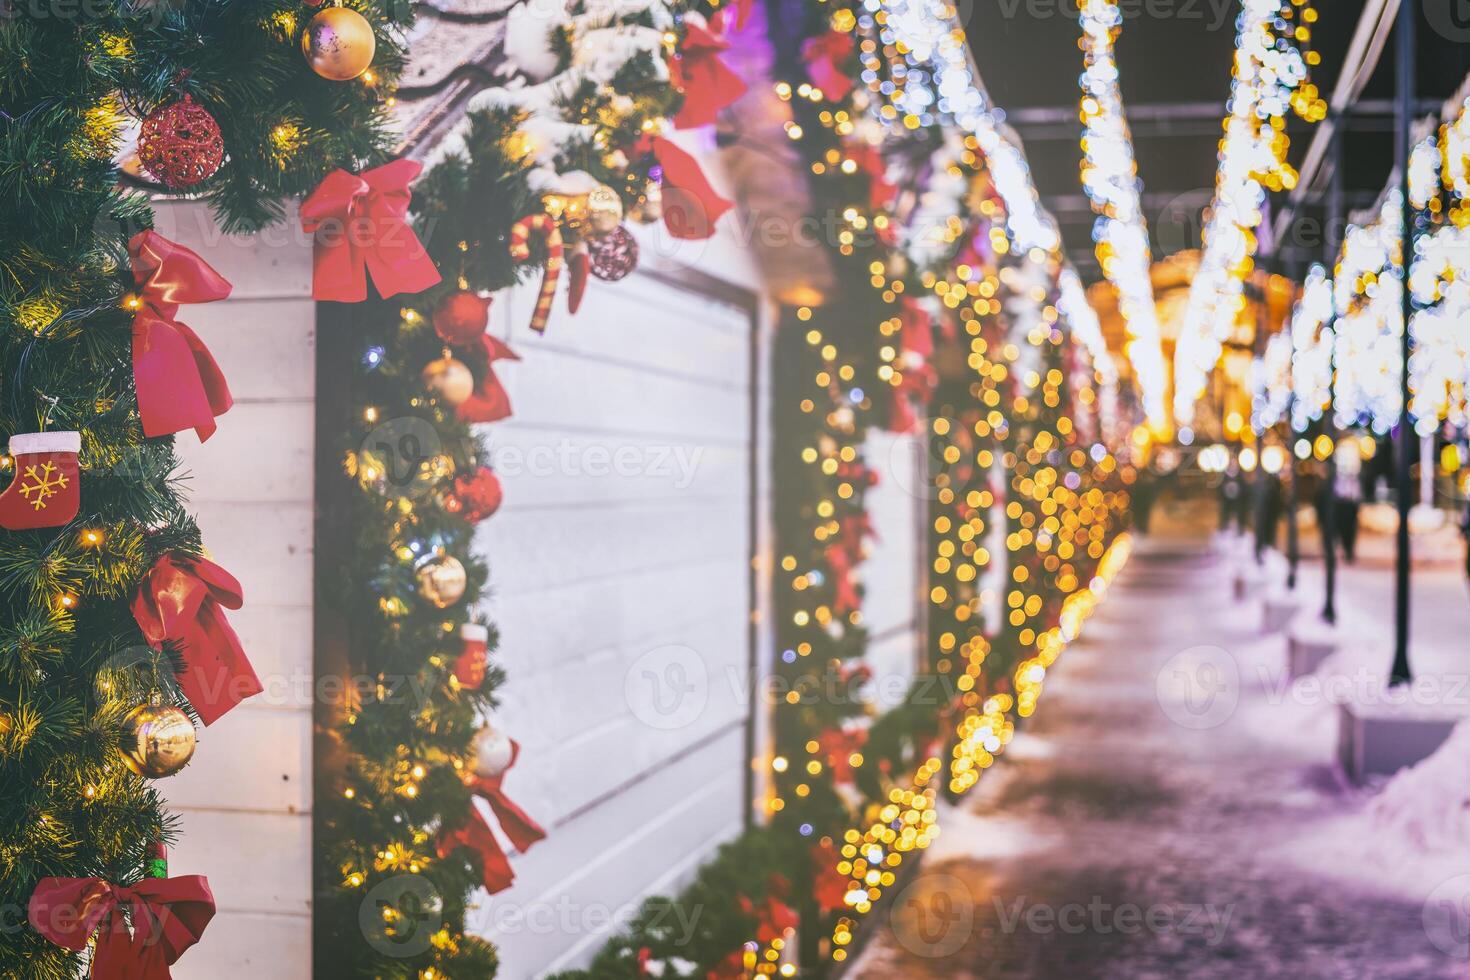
<point x="614" y="255"/>
<point x="180" y="145"/>
<point x="475" y="496"/>
<point x="461" y="317"/>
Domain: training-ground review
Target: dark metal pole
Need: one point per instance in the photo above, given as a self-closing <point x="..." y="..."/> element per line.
<point x="1258" y="483"/>
<point x="1335" y="226"/>
<point x="1293" y="543"/>
<point x="1404" y="68"/>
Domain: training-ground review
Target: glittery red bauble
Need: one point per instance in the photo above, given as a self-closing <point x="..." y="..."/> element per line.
<point x="614" y="255"/>
<point x="461" y="317"/>
<point x="475" y="496"/>
<point x="179" y="144"/>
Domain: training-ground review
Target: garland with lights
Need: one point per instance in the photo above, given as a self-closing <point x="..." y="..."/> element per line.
<point x="1270" y="77"/>
<point x="1340" y="351"/>
<point x="537" y="178"/>
<point x="852" y="795"/>
<point x="1110" y="178"/>
<point x="114" y="630"/>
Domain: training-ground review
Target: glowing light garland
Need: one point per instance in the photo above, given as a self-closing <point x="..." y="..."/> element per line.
<point x="942" y="84"/>
<point x="1365" y="297"/>
<point x="910" y="822"/>
<point x="1313" y="336"/>
<point x="1110" y="178"/>
<point x="1268" y="79"/>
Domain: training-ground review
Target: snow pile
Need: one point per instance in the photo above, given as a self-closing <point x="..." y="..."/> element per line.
<point x="1425" y="810"/>
<point x="1410" y="838"/>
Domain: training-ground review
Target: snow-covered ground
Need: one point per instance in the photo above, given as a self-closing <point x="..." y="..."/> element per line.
<point x="1173" y="810"/>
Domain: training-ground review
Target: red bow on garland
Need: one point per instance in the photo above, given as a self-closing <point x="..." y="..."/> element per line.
<point x="490" y="401"/>
<point x="361" y="228"/>
<point x="179" y="385"/>
<point x="844" y="589"/>
<point x="168" y="915"/>
<point x="179" y="602"/>
<point x="691" y="206"/>
<point x="707" y="82"/>
<point x="826" y="56"/>
<point x="829" y="887"/>
<point x="837" y="747"/>
<point x="476" y="834"/>
<point x="869" y="159"/>
<point x="853" y="528"/>
<point x="774" y="916"/>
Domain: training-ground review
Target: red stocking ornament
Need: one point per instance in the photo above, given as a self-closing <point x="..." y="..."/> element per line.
<point x="45" y="491"/>
<point x="469" y="669"/>
<point x="579" y="266"/>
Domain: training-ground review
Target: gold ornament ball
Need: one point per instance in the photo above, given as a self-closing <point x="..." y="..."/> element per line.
<point x="441" y="579"/>
<point x="604" y="209"/>
<point x="339" y="44"/>
<point x="449" y="380"/>
<point x="160" y="740"/>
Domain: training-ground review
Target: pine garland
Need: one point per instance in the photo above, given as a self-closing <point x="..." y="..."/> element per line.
<point x="396" y="772"/>
<point x="72" y="660"/>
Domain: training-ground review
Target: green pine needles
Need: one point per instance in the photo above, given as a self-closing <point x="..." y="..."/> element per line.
<point x="72" y="660"/>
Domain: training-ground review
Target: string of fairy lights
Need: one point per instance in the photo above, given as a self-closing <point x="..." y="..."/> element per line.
<point x="1342" y="345"/>
<point x="932" y="81"/>
<point x="1110" y="179"/>
<point x="1269" y="79"/>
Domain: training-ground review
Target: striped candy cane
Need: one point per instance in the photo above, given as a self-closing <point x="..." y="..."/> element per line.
<point x="543" y="226"/>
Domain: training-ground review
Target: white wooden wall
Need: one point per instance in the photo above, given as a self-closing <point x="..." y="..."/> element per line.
<point x="245" y="801"/>
<point x="611" y="590"/>
<point x="894" y="586"/>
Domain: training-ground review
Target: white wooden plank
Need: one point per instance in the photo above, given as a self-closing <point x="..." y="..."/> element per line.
<point x="894" y="662"/>
<point x="261" y="452"/>
<point x="256" y="862"/>
<point x="544" y="467"/>
<point x="267" y="546"/>
<point x="278" y="641"/>
<point x="895" y="506"/>
<point x="253" y="759"/>
<point x="273" y="262"/>
<point x="557" y="549"/>
<point x="595" y="869"/>
<point x="538" y="637"/>
<point x="640" y="322"/>
<point x="668" y="682"/>
<point x="250" y="944"/>
<point x="265" y="347"/>
<point x="585" y="395"/>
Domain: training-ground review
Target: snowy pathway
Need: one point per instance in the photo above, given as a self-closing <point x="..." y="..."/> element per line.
<point x="1129" y="834"/>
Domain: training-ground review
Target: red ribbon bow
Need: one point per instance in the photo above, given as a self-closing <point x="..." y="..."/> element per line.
<point x="869" y="159"/>
<point x="179" y="601"/>
<point x="774" y="916"/>
<point x="826" y="56"/>
<point x="179" y="385"/>
<point x="490" y="401"/>
<point x="844" y="590"/>
<point x="691" y="205"/>
<point x="476" y="834"/>
<point x="361" y="228"/>
<point x="837" y="746"/>
<point x="708" y="83"/>
<point x="168" y="914"/>
<point x="916" y="333"/>
<point x="829" y="887"/>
